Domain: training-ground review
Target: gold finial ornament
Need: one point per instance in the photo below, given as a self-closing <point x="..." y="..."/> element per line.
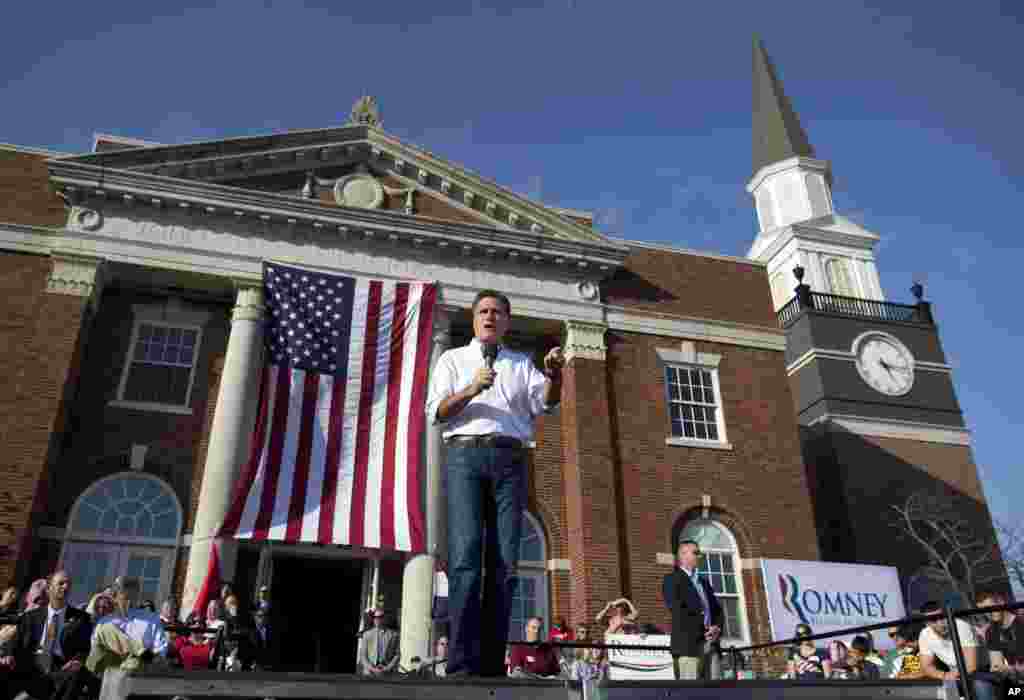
<point x="366" y="111"/>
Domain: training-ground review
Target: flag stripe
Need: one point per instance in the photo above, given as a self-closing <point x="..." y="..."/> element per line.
<point x="274" y="449"/>
<point x="357" y="534"/>
<point x="394" y="383"/>
<point x="378" y="419"/>
<point x="234" y="517"/>
<point x="416" y="424"/>
<point x="337" y="443"/>
<point x="303" y="449"/>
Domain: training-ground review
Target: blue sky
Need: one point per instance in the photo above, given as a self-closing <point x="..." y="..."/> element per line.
<point x="639" y="111"/>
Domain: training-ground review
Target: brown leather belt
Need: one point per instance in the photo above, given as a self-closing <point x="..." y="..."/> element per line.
<point x="485" y="441"/>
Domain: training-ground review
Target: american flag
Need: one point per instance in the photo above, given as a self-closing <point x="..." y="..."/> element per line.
<point x="337" y="444"/>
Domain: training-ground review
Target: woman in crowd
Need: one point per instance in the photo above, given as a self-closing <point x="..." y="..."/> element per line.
<point x="9" y="601"/>
<point x="620" y="616"/>
<point x="37" y="595"/>
<point x="592" y="665"/>
<point x="194" y="651"/>
<point x="100" y="605"/>
<point x="798" y="655"/>
<point x="837" y="654"/>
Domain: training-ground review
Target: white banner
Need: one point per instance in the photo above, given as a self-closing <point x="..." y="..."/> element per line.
<point x="830" y="596"/>
<point x="636" y="665"/>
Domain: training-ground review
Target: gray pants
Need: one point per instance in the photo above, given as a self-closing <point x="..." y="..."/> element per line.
<point x="706" y="667"/>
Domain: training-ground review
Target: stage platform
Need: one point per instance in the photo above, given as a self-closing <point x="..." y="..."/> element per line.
<point x="297" y="686"/>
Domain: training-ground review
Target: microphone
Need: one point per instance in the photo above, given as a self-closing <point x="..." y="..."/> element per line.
<point x="490" y="353"/>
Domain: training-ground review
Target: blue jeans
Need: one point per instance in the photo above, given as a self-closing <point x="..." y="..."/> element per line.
<point x="485" y="486"/>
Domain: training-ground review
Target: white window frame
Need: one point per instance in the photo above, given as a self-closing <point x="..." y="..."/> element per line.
<point x="851" y="275"/>
<point x="686" y="357"/>
<point x="737" y="567"/>
<point x="538" y="571"/>
<point x="170" y="314"/>
<point x="123" y="546"/>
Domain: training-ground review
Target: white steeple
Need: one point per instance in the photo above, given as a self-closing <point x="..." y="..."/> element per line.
<point x="792" y="192"/>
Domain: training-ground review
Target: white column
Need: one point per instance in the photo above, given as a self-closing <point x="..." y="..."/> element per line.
<point x="230" y="434"/>
<point x="418" y="577"/>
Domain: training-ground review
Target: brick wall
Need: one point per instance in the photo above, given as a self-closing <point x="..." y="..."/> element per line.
<point x="664" y="282"/>
<point x="25" y="193"/>
<point x="42" y="336"/>
<point x="758" y="488"/>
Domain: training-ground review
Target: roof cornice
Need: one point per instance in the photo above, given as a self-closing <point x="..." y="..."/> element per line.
<point x="83" y="181"/>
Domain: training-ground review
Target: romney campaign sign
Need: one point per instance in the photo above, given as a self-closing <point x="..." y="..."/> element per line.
<point x="830" y="596"/>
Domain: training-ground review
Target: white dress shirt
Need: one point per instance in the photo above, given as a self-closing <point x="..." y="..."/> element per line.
<point x="142" y="625"/>
<point x="507" y="408"/>
<point x="59" y="616"/>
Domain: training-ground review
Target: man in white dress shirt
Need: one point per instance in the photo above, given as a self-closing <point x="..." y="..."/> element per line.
<point x="130" y="636"/>
<point x="486" y="397"/>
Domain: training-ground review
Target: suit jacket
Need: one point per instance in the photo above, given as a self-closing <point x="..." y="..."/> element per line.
<point x="75" y="635"/>
<point x="682" y="599"/>
<point x="389" y="644"/>
<point x="268" y="647"/>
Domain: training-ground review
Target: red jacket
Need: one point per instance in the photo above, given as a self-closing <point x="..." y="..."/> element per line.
<point x="540" y="660"/>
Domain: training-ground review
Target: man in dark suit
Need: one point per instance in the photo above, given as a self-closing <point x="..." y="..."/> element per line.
<point x="268" y="651"/>
<point x="48" y="652"/>
<point x="696" y="615"/>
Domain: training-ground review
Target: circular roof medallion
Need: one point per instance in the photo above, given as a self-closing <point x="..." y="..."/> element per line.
<point x="359" y="190"/>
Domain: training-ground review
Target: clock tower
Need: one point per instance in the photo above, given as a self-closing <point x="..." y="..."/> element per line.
<point x="875" y="401"/>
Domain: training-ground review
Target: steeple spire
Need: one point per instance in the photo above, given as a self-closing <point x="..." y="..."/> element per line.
<point x="778" y="135"/>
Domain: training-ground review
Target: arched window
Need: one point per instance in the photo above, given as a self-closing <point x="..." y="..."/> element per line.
<point x="720" y="564"/>
<point x="839" y="280"/>
<point x="123" y="525"/>
<point x="531" y="596"/>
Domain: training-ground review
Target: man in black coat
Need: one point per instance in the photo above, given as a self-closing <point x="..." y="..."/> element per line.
<point x="47" y="655"/>
<point x="696" y="615"/>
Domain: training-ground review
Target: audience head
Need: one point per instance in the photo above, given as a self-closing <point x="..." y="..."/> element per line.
<point x="226" y="590"/>
<point x="149" y="606"/>
<point x="990" y="598"/>
<point x="807" y="648"/>
<point x="837" y="652"/>
<point x="803" y="630"/>
<point x="214" y="612"/>
<point x="688" y="554"/>
<point x="37" y="595"/>
<point x="533" y="629"/>
<point x="860" y="647"/>
<point x="58" y="588"/>
<point x="938" y="625"/>
<point x="9" y="598"/>
<point x="126" y="593"/>
<point x="441" y="650"/>
<point x="169" y="610"/>
<point x="102" y="605"/>
<point x="231" y="605"/>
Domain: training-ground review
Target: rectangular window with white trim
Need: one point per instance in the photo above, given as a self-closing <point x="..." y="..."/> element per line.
<point x="160" y="364"/>
<point x="694" y="404"/>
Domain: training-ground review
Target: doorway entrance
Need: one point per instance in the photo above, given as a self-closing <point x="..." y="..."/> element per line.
<point x="317" y="603"/>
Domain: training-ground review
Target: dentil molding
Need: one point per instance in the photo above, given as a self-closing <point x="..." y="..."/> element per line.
<point x="585" y="340"/>
<point x="76" y="275"/>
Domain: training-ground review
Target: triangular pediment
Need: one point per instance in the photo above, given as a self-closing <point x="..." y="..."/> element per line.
<point x="357" y="166"/>
<point x="831" y="228"/>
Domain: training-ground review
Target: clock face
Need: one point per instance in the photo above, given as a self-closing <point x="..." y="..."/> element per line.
<point x="884" y="363"/>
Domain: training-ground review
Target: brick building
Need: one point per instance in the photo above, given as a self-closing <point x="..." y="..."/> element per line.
<point x="677" y="412"/>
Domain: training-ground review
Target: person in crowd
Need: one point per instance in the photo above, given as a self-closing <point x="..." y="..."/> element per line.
<point x="1004" y="637"/>
<point x="838" y="660"/>
<point x="796" y="655"/>
<point x="225" y="590"/>
<point x="436" y="666"/>
<point x="540" y="660"/>
<point x="9" y="601"/>
<point x="619" y="617"/>
<point x="46" y="657"/>
<point x="263" y="598"/>
<point x="194" y="651"/>
<point x="102" y="605"/>
<point x="130" y="637"/>
<point x="808" y="664"/>
<point x="936" y="645"/>
<point x="908" y="666"/>
<point x="236" y="646"/>
<point x="592" y="665"/>
<point x="169" y="612"/>
<point x="696" y="617"/>
<point x="380" y="648"/>
<point x="570" y="655"/>
<point x="486" y="398"/>
<point x="268" y="650"/>
<point x="214" y="618"/>
<point x="148" y="606"/>
<point x="858" y="665"/>
<point x="37" y="594"/>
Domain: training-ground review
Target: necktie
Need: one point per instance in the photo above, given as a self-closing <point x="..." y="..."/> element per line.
<point x="51" y="634"/>
<point x="380" y="646"/>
